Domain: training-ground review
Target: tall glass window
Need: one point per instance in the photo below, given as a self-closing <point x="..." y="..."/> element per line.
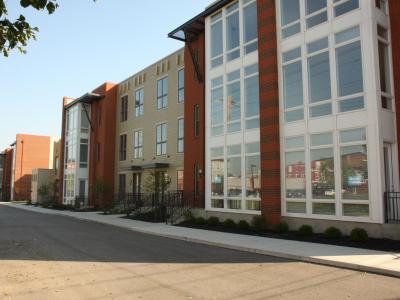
<point x="290" y="17"/>
<point x="354" y="167"/>
<point x="342" y="7"/>
<point x="384" y="68"/>
<point x="251" y="97"/>
<point x="139" y="102"/>
<point x="122" y="147"/>
<point x="293" y="85"/>
<point x="250" y="31"/>
<point x="295" y="175"/>
<point x="85" y="112"/>
<point x="234" y="176"/>
<point x="233" y="101"/>
<point x="161" y="139"/>
<point x="319" y="78"/>
<point x="253" y="176"/>
<point x="232" y="32"/>
<point x="316" y="12"/>
<point x="217" y="106"/>
<point x="181" y="85"/>
<point x="181" y="135"/>
<point x="216" y="40"/>
<point x="322" y="174"/>
<point x="162" y="93"/>
<point x="349" y="70"/>
<point x="83" y="153"/>
<point x="124" y="109"/>
<point x="138" y="144"/>
<point x="217" y="177"/>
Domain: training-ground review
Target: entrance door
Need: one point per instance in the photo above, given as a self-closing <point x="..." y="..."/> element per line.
<point x="136" y="183"/>
<point x="388" y="166"/>
<point x="82" y="191"/>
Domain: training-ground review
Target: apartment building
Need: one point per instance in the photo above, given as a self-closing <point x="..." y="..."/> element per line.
<point x="297" y="110"/>
<point x="150" y="128"/>
<point x="28" y="152"/>
<point x="87" y="154"/>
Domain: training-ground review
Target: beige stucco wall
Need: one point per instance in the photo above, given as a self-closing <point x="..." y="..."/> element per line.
<point x="147" y="79"/>
<point x="41" y="177"/>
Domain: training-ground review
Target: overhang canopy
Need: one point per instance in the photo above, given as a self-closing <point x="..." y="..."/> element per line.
<point x="88" y="98"/>
<point x="192" y="28"/>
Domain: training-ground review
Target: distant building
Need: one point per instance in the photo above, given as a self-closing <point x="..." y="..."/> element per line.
<point x="7" y="174"/>
<point x="28" y="152"/>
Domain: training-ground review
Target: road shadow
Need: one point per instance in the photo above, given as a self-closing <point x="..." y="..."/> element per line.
<point x="26" y="235"/>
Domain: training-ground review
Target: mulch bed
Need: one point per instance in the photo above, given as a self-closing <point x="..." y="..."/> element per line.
<point x="371" y="244"/>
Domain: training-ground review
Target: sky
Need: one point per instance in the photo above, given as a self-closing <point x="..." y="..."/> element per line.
<point x="80" y="46"/>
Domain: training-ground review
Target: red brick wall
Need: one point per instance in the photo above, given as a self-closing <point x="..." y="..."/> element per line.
<point x="105" y="136"/>
<point x="194" y="146"/>
<point x="394" y="9"/>
<point x="32" y="152"/>
<point x="8" y="159"/>
<point x="269" y="112"/>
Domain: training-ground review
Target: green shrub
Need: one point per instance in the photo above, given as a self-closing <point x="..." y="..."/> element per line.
<point x="213" y="221"/>
<point x="333" y="233"/>
<point x="188" y="216"/>
<point x="282" y="227"/>
<point x="243" y="224"/>
<point x="305" y="230"/>
<point x="258" y="223"/>
<point x="358" y="235"/>
<point x="229" y="223"/>
<point x="201" y="221"/>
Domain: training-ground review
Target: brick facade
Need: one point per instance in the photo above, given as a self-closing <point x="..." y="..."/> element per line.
<point x="7" y="169"/>
<point x="32" y="152"/>
<point x="194" y="145"/>
<point x="269" y="112"/>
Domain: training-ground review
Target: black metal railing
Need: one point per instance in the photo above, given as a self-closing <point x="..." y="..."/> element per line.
<point x="392" y="207"/>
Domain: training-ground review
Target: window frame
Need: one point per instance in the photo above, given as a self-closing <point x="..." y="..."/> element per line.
<point x="161" y="142"/>
<point x="180" y="139"/>
<point x="138" y="143"/>
<point x="162" y="100"/>
<point x="139" y="108"/>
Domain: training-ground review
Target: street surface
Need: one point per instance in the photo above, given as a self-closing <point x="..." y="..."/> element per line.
<point x="54" y="257"/>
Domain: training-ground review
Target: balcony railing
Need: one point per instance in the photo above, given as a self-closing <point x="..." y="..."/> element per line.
<point x="392" y="207"/>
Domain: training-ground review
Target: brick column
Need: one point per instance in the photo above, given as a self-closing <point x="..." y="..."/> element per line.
<point x="269" y="112"/>
<point x="394" y="12"/>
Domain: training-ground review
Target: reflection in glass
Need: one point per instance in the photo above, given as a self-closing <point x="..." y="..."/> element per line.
<point x="217" y="177"/>
<point x="322" y="174"/>
<point x="295" y="175"/>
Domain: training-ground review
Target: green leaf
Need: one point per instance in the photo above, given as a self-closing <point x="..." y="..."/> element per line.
<point x="51" y="7"/>
<point x="25" y="3"/>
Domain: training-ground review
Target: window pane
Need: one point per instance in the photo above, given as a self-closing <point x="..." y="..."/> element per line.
<point x="346" y="7"/>
<point x="318" y="19"/>
<point x="217" y="177"/>
<point x="251" y="97"/>
<point x="253" y="176"/>
<point x="217" y="152"/>
<point x="384" y="67"/>
<point x="216" y="39"/>
<point x="295" y="175"/>
<point x="291" y="30"/>
<point x="291" y="54"/>
<point x="355" y="210"/>
<point x="217" y="108"/>
<point x="290" y="11"/>
<point x="317" y="45"/>
<point x="354" y="167"/>
<point x="319" y="77"/>
<point x="233" y="102"/>
<point x="295" y="142"/>
<point x="253" y="148"/>
<point x="253" y="205"/>
<point x="321" y="110"/>
<point x="351" y="104"/>
<point x="347" y="34"/>
<point x="349" y="69"/>
<point x="217" y="203"/>
<point x="314" y="5"/>
<point x="234" y="177"/>
<point x="232" y="31"/>
<point x="293" y="85"/>
<point x="354" y="135"/>
<point x="296" y="207"/>
<point x="295" y="115"/>
<point x="234" y="204"/>
<point x="323" y="209"/>
<point x="322" y="174"/>
<point x="234" y="150"/>
<point x="250" y="22"/>
<point x="321" y="139"/>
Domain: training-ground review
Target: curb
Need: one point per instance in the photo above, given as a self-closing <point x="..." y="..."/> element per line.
<point x="307" y="259"/>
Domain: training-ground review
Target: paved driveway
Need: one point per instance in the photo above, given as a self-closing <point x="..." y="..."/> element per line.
<point x="53" y="257"/>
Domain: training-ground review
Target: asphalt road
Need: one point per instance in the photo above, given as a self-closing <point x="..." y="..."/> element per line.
<point x="53" y="257"/>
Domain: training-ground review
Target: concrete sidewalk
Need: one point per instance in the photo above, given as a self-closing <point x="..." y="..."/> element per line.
<point x="353" y="258"/>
